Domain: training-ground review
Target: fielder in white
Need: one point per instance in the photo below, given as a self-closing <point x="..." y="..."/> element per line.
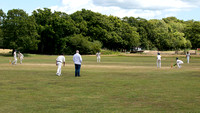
<point x="59" y="61"/>
<point x="158" y="60"/>
<point x="188" y="57"/>
<point x="21" y="57"/>
<point x="98" y="57"/>
<point x="178" y="62"/>
<point x="15" y="58"/>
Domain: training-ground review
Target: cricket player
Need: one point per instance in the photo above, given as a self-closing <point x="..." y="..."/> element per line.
<point x="188" y="57"/>
<point x="15" y="58"/>
<point x="77" y="62"/>
<point x="178" y="62"/>
<point x="158" y="60"/>
<point x="98" y="56"/>
<point x="20" y="56"/>
<point x="59" y="61"/>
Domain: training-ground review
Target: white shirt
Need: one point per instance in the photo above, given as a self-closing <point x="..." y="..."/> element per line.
<point x="61" y="59"/>
<point x="98" y="54"/>
<point x="20" y="55"/>
<point x="188" y="55"/>
<point x="77" y="58"/>
<point x="158" y="57"/>
<point x="15" y="55"/>
<point x="179" y="62"/>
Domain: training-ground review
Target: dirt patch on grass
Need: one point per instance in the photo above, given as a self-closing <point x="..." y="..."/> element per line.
<point x="91" y="66"/>
<point x="36" y="64"/>
<point x="114" y="66"/>
<point x="97" y="66"/>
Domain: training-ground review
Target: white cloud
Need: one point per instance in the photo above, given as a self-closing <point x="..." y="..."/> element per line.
<point x="144" y="4"/>
<point x="137" y="8"/>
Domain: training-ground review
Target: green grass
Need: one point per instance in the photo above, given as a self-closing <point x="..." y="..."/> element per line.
<point x="118" y="84"/>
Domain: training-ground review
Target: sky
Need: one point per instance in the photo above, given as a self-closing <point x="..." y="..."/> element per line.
<point x="148" y="9"/>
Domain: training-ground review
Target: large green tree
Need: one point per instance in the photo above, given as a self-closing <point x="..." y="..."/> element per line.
<point x="159" y="34"/>
<point x="142" y="26"/>
<point x="167" y="36"/>
<point x="19" y="31"/>
<point x="111" y="31"/>
<point x="92" y="25"/>
<point x="53" y="28"/>
<point x="177" y="39"/>
<point x="48" y="32"/>
<point x="2" y="17"/>
<point x="192" y="33"/>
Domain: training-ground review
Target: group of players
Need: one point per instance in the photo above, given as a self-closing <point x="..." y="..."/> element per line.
<point x="178" y="62"/>
<point x="78" y="60"/>
<point x="20" y="56"/>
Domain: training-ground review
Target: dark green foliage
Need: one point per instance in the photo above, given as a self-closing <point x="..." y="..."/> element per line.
<point x="48" y="32"/>
<point x="19" y="31"/>
<point x="53" y="28"/>
<point x="192" y="33"/>
<point x="2" y="16"/>
<point x="111" y="31"/>
<point x="81" y="43"/>
<point x="144" y="30"/>
<point x="165" y="34"/>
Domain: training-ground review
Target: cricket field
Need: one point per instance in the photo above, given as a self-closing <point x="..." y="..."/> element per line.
<point x="118" y="84"/>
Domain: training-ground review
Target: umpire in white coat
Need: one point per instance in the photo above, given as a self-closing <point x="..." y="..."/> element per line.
<point x="59" y="61"/>
<point x="77" y="61"/>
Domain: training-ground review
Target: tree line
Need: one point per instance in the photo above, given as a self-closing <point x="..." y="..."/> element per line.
<point x="47" y="32"/>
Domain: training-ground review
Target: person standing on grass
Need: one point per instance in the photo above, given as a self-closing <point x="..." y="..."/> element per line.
<point x="188" y="57"/>
<point x="178" y="62"/>
<point x="98" y="56"/>
<point x="15" y="57"/>
<point x="77" y="62"/>
<point x="20" y="56"/>
<point x="158" y="60"/>
<point x="59" y="61"/>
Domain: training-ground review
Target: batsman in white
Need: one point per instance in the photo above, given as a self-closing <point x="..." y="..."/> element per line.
<point x="158" y="60"/>
<point x="98" y="56"/>
<point x="188" y="57"/>
<point x="20" y="56"/>
<point x="15" y="58"/>
<point x="178" y="62"/>
<point x="59" y="61"/>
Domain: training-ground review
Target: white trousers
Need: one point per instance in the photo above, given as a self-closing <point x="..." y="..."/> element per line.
<point x="188" y="60"/>
<point x="98" y="59"/>
<point x="158" y="63"/>
<point x="14" y="61"/>
<point x="21" y="60"/>
<point x="59" y="68"/>
<point x="179" y="65"/>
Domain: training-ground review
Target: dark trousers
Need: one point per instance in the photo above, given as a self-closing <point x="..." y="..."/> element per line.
<point x="77" y="70"/>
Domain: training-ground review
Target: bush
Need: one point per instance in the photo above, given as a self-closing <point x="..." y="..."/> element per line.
<point x="109" y="52"/>
<point x="81" y="43"/>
